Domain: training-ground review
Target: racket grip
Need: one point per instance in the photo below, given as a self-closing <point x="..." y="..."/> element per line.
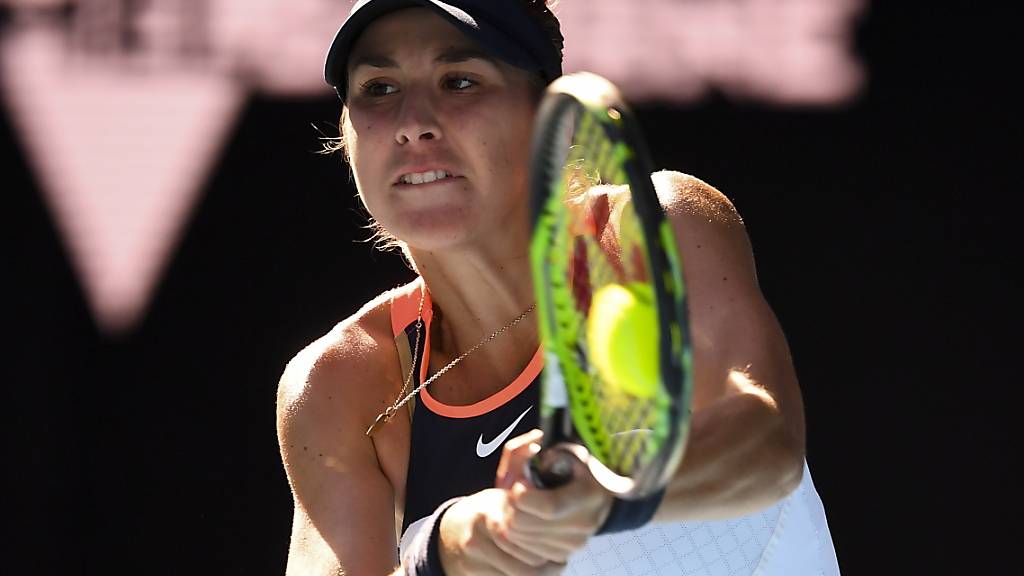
<point x="550" y="469"/>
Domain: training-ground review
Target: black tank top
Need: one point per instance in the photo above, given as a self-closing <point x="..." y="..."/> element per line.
<point x="455" y="449"/>
<point x="443" y="463"/>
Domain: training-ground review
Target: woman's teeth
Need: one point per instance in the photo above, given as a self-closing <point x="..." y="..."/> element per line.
<point x="423" y="177"/>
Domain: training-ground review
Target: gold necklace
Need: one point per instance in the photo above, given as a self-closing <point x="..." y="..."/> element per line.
<point x="385" y="416"/>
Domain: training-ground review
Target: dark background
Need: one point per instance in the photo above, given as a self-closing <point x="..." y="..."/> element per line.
<point x="882" y="232"/>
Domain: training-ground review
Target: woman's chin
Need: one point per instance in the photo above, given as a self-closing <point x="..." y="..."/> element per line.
<point x="449" y="233"/>
<point x="440" y="229"/>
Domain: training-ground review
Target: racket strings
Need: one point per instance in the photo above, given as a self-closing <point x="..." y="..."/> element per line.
<point x="597" y="240"/>
<point x="624" y="427"/>
<point x="630" y="424"/>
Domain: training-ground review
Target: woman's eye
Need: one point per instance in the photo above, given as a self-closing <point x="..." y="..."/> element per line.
<point x="459" y="83"/>
<point x="378" y="89"/>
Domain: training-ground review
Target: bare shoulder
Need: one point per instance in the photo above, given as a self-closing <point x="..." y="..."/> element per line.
<point x="712" y="239"/>
<point x="330" y="394"/>
<point x="689" y="197"/>
<point x="329" y="376"/>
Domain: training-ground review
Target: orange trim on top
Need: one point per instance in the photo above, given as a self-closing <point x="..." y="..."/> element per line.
<point x="492" y="402"/>
<point x="405" y="307"/>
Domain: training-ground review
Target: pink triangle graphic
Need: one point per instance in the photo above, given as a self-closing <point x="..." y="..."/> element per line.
<point x="121" y="152"/>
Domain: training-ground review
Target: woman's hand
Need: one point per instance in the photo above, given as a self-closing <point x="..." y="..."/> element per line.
<point x="553" y="523"/>
<point x="517" y="528"/>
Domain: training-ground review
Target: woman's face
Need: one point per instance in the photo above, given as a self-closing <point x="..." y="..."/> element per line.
<point x="438" y="132"/>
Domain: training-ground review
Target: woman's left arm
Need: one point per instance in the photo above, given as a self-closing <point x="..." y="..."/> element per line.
<point x="746" y="445"/>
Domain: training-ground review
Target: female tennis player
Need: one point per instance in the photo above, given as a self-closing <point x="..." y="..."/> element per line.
<point x="404" y="431"/>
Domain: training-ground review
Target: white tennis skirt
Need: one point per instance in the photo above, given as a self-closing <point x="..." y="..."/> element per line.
<point x="790" y="538"/>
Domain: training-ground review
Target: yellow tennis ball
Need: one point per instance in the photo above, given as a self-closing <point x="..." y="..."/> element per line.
<point x="622" y="337"/>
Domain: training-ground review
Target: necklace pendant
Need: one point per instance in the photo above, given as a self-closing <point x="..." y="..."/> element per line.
<point x="381" y="419"/>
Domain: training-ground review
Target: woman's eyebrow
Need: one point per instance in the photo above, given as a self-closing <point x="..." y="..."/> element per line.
<point x="450" y="56"/>
<point x="372" y="60"/>
<point x="462" y="54"/>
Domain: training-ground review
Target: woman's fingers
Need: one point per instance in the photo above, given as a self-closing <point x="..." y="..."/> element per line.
<point x="578" y="507"/>
<point x="473" y="541"/>
<point x="540" y="526"/>
<point x="580" y="494"/>
<point x="553" y="548"/>
<point x="490" y="558"/>
<point x="515" y="456"/>
<point x="526" y="556"/>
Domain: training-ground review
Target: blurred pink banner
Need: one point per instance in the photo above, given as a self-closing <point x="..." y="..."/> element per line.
<point x="123" y="106"/>
<point x="786" y="52"/>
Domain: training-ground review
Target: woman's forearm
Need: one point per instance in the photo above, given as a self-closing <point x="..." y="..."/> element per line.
<point x="740" y="457"/>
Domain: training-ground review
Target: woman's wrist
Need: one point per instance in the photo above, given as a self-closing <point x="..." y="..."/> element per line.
<point x="630" y="514"/>
<point x="423" y="557"/>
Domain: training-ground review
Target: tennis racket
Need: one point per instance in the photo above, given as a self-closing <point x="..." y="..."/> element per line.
<point x="598" y="227"/>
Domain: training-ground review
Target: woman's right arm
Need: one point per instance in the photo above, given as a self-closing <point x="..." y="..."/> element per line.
<point x="344" y="504"/>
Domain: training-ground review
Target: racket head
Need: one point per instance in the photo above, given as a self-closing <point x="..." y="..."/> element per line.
<point x="597" y="222"/>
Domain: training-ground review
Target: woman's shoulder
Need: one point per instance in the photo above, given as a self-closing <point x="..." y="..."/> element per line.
<point x="346" y="372"/>
<point x="686" y="196"/>
<point x="329" y="394"/>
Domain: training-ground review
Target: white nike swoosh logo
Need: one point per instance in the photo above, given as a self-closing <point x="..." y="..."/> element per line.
<point x="485" y="449"/>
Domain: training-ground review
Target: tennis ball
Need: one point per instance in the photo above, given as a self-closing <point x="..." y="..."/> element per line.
<point x="622" y="337"/>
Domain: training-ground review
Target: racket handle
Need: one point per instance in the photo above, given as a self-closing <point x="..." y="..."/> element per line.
<point x="550" y="469"/>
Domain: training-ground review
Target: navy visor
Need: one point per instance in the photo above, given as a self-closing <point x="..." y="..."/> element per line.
<point x="503" y="28"/>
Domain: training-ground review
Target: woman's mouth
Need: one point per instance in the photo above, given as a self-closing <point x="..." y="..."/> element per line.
<point x="425" y="177"/>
